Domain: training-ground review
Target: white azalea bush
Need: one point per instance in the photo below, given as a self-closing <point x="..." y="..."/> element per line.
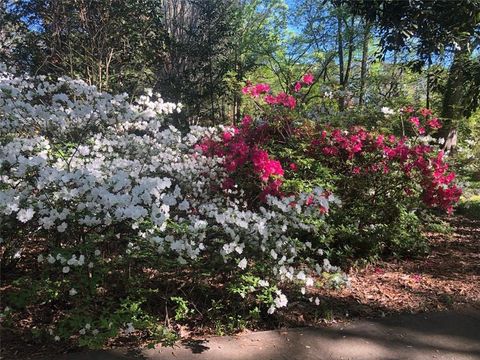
<point x="122" y="221"/>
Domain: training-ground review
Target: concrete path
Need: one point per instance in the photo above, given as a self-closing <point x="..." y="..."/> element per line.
<point x="445" y="335"/>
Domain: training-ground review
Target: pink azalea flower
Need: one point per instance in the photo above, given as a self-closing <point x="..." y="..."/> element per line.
<point x="434" y="123"/>
<point x="227" y="136"/>
<point x="425" y="112"/>
<point x="415" y="121"/>
<point x="247" y="120"/>
<point x="308" y="79"/>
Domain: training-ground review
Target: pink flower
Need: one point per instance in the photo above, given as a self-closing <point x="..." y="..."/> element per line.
<point x="264" y="166"/>
<point x="271" y="100"/>
<point x="415" y="121"/>
<point x="308" y="79"/>
<point x="286" y="100"/>
<point x="379" y="141"/>
<point x="330" y="151"/>
<point x="293" y="167"/>
<point x="322" y="209"/>
<point x="434" y="123"/>
<point x="356" y="170"/>
<point x="228" y="183"/>
<point x="425" y="112"/>
<point x="247" y="120"/>
<point x="260" y="89"/>
<point x="256" y="90"/>
<point x="298" y="86"/>
<point x="230" y="166"/>
<point x="227" y="136"/>
<point x="273" y="188"/>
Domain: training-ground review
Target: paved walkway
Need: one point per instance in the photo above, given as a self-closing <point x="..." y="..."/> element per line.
<point x="446" y="335"/>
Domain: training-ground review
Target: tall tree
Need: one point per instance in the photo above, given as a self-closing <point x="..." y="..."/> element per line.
<point x="363" y="70"/>
<point x="200" y="37"/>
<point x="431" y="27"/>
<point x="112" y="44"/>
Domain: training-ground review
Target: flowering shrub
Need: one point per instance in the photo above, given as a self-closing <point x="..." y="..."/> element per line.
<point x="100" y="188"/>
<point x="383" y="180"/>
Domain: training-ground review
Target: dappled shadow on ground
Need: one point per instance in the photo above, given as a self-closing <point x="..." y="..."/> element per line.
<point x="452" y="334"/>
<point x="197" y="346"/>
<point x="399" y="337"/>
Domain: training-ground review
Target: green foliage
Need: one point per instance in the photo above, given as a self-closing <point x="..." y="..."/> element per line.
<point x="182" y="310"/>
<point x="430" y="22"/>
<point x="112" y="47"/>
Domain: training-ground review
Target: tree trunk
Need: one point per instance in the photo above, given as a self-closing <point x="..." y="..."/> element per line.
<point x="350" y="53"/>
<point x="341" y="104"/>
<point x="452" y="111"/>
<point x="427" y="100"/>
<point x="363" y="70"/>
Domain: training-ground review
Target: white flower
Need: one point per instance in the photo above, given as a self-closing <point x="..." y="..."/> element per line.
<point x="387" y="111"/>
<point x="301" y="276"/>
<point x="273" y="254"/>
<point x="62" y="227"/>
<point x="66" y="269"/>
<point x="184" y="205"/>
<point x="25" y="215"/>
<point x="40" y="258"/>
<point x="73" y="260"/>
<point x="317" y="301"/>
<point x="281" y="300"/>
<point x="95" y="332"/>
<point x="130" y="329"/>
<point x="82" y="332"/>
<point x="56" y="338"/>
<point x="83" y="150"/>
<point x="242" y="264"/>
<point x="87" y="326"/>
<point x="72" y="292"/>
<point x="97" y="252"/>
<point x="263" y="283"/>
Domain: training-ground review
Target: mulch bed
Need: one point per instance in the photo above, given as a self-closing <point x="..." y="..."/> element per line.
<point x="447" y="278"/>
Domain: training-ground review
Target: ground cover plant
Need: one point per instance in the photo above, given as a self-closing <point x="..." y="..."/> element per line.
<point x="115" y="223"/>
